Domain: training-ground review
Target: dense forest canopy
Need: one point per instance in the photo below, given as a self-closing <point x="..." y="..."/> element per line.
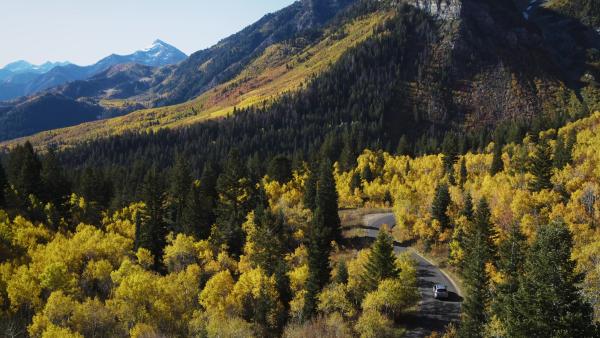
<point x="243" y="226"/>
<point x="270" y="254"/>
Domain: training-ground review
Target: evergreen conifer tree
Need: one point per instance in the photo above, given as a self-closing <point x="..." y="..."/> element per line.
<point x="348" y="153"/>
<point x="319" y="249"/>
<point x="327" y="201"/>
<point x="467" y="209"/>
<point x="479" y="251"/>
<point x="511" y="257"/>
<point x="341" y="275"/>
<point x="95" y="187"/>
<point x="548" y="302"/>
<point x="272" y="239"/>
<point x="463" y="173"/>
<point x="24" y="170"/>
<point x="280" y="169"/>
<point x="440" y="205"/>
<point x="152" y="227"/>
<point x="181" y="185"/>
<point x="56" y="186"/>
<point x="563" y="151"/>
<point x="540" y="167"/>
<point x="450" y="152"/>
<point x="497" y="163"/>
<point x="310" y="188"/>
<point x="199" y="213"/>
<point x="382" y="261"/>
<point x="235" y="201"/>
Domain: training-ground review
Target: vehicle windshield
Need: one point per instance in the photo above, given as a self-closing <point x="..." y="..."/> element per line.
<point x="441" y="290"/>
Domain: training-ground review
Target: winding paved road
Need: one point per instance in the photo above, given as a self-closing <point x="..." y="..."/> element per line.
<point x="433" y="314"/>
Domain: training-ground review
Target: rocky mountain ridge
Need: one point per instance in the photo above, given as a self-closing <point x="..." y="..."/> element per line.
<point x="31" y="82"/>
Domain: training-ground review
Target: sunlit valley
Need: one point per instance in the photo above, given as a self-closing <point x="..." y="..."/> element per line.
<point x="339" y="168"/>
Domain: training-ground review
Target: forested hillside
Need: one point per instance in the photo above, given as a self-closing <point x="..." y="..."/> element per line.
<point x="419" y="70"/>
<point x="232" y="253"/>
<point x="118" y="85"/>
<point x="225" y="215"/>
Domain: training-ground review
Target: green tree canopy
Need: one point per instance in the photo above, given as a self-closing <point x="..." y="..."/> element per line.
<point x="479" y="250"/>
<point x="440" y="205"/>
<point x="181" y="184"/>
<point x="548" y="302"/>
<point x="497" y="163"/>
<point x="235" y="201"/>
<point x="540" y="167"/>
<point x="151" y="227"/>
<point x="199" y="212"/>
<point x="327" y="201"/>
<point x="382" y="261"/>
<point x="280" y="169"/>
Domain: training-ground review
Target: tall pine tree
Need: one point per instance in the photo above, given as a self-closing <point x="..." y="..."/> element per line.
<point x="511" y="258"/>
<point x="280" y="169"/>
<point x="548" y="302"/>
<point x="235" y="201"/>
<point x="310" y="188"/>
<point x="341" y="274"/>
<point x="382" y="261"/>
<point x="199" y="213"/>
<point x="467" y="209"/>
<point x="327" y="201"/>
<point x="478" y="253"/>
<point x="326" y="227"/>
<point x="24" y="169"/>
<point x="440" y="205"/>
<point x="319" y="249"/>
<point x="56" y="187"/>
<point x="463" y="173"/>
<point x="152" y="228"/>
<point x="497" y="163"/>
<point x="540" y="167"/>
<point x="355" y="182"/>
<point x="96" y="187"/>
<point x="181" y="185"/>
<point x="271" y="241"/>
<point x="450" y="152"/>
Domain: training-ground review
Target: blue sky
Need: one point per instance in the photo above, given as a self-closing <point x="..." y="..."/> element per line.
<point x="83" y="31"/>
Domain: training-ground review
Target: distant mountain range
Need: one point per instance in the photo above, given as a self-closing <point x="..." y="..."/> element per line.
<point x="459" y="65"/>
<point x="118" y="88"/>
<point x="22" y="67"/>
<point x="22" y="78"/>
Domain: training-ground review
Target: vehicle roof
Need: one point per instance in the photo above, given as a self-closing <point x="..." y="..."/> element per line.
<point x="440" y="286"/>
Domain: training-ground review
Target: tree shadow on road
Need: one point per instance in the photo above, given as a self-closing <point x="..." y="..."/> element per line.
<point x="453" y="297"/>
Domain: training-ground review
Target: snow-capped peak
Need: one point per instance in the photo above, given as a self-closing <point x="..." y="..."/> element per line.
<point x="157" y="44"/>
<point x="23" y="66"/>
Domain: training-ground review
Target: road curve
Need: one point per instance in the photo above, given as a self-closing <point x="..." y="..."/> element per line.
<point x="433" y="314"/>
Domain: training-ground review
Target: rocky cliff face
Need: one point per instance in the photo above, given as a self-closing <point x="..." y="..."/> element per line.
<point x="443" y="9"/>
<point x="482" y="64"/>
